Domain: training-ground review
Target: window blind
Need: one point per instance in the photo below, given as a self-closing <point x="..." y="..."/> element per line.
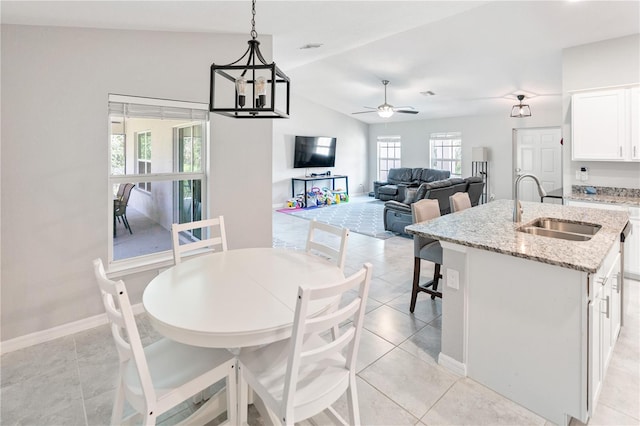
<point x="132" y="110"/>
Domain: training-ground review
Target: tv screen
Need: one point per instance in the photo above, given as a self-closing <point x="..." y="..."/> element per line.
<point x="314" y="151"/>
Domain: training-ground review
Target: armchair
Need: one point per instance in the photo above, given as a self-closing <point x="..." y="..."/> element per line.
<point x="400" y="179"/>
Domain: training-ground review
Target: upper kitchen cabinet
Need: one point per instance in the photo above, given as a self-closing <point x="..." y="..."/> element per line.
<point x="635" y="123"/>
<point x="604" y="125"/>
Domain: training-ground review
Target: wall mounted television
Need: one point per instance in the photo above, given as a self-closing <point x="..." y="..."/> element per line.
<point x="314" y="151"/>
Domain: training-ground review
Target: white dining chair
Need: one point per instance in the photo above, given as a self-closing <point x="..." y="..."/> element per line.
<point x="302" y="376"/>
<point x="459" y="201"/>
<point x="158" y="377"/>
<point x="331" y="242"/>
<point x="213" y="236"/>
<point x="322" y="239"/>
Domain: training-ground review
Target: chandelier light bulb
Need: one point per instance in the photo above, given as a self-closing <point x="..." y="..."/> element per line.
<point x="261" y="91"/>
<point x="241" y="89"/>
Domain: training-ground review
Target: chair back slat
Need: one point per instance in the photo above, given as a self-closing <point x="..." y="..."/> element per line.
<point x="323" y="322"/>
<point x="317" y="354"/>
<point x="322" y="239"/>
<point x="113" y="314"/>
<point x="216" y="242"/>
<point x="122" y="345"/>
<point x="304" y="324"/>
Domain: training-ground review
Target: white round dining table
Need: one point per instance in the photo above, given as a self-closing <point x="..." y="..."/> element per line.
<point x="236" y="298"/>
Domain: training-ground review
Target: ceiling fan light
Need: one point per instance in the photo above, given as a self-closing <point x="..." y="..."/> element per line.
<point x="385" y="111"/>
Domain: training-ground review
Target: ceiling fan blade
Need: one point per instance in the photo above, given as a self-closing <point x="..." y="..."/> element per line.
<point x="407" y="111"/>
<point x="363" y="112"/>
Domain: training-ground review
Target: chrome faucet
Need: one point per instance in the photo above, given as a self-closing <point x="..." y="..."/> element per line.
<point x="517" y="207"/>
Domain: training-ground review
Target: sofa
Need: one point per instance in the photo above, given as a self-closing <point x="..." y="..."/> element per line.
<point x="397" y="214"/>
<point x="402" y="178"/>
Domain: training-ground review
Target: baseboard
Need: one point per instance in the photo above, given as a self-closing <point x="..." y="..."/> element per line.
<point x="59" y="331"/>
<point x="452" y="365"/>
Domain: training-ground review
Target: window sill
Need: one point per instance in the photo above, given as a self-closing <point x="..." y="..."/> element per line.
<point x="158" y="262"/>
<point x="122" y="268"/>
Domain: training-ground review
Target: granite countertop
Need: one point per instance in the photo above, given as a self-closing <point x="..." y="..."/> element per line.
<point x="602" y="198"/>
<point x="490" y="227"/>
<point x="604" y="194"/>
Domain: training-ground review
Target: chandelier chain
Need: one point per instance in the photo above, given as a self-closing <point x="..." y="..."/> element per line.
<point x="254" y="34"/>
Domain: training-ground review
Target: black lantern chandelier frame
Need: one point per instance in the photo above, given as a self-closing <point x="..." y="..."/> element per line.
<point x="255" y="93"/>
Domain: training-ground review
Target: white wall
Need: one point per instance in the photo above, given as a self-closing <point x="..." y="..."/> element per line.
<point x="606" y="63"/>
<point x="491" y="131"/>
<point x="55" y="85"/>
<point x="310" y="119"/>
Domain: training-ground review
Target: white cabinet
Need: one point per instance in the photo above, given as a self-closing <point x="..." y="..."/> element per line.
<point x="604" y="125"/>
<point x="635" y="123"/>
<point x="604" y="322"/>
<point x="632" y="243"/>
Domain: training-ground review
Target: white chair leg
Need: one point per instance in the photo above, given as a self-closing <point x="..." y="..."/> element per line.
<point x="243" y="398"/>
<point x="118" y="405"/>
<point x="232" y="395"/>
<point x="352" y="402"/>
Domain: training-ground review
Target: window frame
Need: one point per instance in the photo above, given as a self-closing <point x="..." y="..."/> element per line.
<point x="154" y="261"/>
<point x="451" y="140"/>
<point x="396" y="159"/>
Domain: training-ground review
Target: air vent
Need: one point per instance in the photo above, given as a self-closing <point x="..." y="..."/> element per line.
<point x="311" y="46"/>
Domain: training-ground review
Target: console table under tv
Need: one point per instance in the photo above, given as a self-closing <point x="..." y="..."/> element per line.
<point x="307" y="179"/>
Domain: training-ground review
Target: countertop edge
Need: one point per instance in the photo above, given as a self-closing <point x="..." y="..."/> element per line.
<point x="547" y="261"/>
<point x="462" y="228"/>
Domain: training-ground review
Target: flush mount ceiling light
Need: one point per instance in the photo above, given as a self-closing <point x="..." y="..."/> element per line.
<point x="521" y="110"/>
<point x="249" y="84"/>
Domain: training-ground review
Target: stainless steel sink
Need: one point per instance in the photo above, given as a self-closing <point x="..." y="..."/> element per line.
<point x="563" y="229"/>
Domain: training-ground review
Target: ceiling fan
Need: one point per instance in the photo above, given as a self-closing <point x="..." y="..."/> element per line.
<point x="386" y="110"/>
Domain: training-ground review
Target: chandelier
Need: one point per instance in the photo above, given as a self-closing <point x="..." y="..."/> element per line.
<point x="249" y="85"/>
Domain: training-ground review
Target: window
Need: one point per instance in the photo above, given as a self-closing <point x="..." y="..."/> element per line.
<point x="117" y="148"/>
<point x="143" y="153"/>
<point x="446" y="152"/>
<point x="388" y="155"/>
<point x="160" y="147"/>
<point x="189" y="159"/>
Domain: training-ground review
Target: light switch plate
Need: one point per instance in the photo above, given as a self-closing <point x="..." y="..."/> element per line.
<point x="453" y="279"/>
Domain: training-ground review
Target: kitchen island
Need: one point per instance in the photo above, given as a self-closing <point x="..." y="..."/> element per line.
<point x="532" y="317"/>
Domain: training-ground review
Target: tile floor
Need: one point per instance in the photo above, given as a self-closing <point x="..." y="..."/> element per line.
<point x="70" y="381"/>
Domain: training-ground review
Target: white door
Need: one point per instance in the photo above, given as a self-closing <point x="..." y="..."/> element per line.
<point x="538" y="152"/>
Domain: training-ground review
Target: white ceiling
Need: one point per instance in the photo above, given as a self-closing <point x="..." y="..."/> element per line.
<point x="474" y="55"/>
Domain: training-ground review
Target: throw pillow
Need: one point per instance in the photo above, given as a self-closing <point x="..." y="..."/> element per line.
<point x="410" y="195"/>
<point x="422" y="191"/>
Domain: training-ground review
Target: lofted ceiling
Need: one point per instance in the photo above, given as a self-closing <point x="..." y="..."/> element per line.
<point x="475" y="56"/>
